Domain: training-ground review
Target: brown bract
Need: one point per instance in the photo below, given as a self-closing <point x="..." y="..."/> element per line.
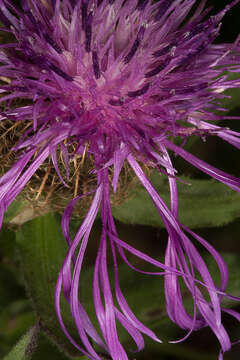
<point x="45" y="192"/>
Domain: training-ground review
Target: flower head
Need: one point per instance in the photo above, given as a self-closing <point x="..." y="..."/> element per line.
<point x="118" y="81"/>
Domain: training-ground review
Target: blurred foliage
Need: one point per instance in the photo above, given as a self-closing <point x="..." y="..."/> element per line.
<point x="16" y="314"/>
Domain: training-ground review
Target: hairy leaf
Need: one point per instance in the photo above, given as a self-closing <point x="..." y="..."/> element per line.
<point x="24" y="349"/>
<point x="42" y="250"/>
<point x="202" y="203"/>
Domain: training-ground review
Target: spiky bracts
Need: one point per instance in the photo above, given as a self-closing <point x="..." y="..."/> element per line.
<point x="119" y="80"/>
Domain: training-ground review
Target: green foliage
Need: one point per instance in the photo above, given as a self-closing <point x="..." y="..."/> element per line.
<point x="15" y="319"/>
<point x="14" y="209"/>
<point x="16" y="315"/>
<point x="42" y="250"/>
<point x="24" y="348"/>
<point x="9" y="289"/>
<point x="202" y="203"/>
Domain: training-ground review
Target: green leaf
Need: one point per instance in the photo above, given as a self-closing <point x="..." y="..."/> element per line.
<point x="42" y="248"/>
<point x="25" y="347"/>
<point x="14" y="210"/>
<point x="202" y="203"/>
<point x="42" y="251"/>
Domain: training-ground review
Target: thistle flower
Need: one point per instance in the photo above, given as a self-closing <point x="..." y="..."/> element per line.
<point x="120" y="80"/>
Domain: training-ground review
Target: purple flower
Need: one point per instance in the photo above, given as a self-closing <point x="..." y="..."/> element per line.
<point x="120" y="79"/>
